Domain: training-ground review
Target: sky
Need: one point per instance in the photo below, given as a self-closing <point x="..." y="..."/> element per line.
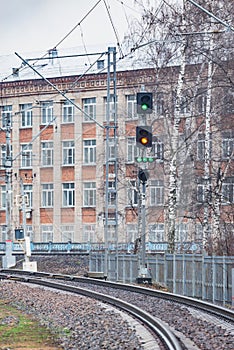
<point x="39" y="25"/>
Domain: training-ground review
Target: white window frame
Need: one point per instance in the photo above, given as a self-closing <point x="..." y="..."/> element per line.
<point x="47" y="233"/>
<point x="132" y="232"/>
<point x="89" y="106"/>
<point x="160" y="103"/>
<point x="112" y="149"/>
<point x="26" y="155"/>
<point x="111" y="193"/>
<point x="89" y="233"/>
<point x="26" y="115"/>
<point x="68" y="112"/>
<point x="46" y="112"/>
<point x="28" y="191"/>
<point x="89" y="197"/>
<point x="6" y="113"/>
<point x="228" y="192"/>
<point x="89" y="152"/>
<point x="158" y="150"/>
<point x="132" y="193"/>
<point x="68" y="152"/>
<point x="156" y="232"/>
<point x="227" y="147"/>
<point x="67" y="233"/>
<point x="156" y="193"/>
<point x="131" y="149"/>
<point x="68" y="194"/>
<point x="112" y="110"/>
<point x="47" y="195"/>
<point x="47" y="153"/>
<point x="3" y="196"/>
<point x="131" y="102"/>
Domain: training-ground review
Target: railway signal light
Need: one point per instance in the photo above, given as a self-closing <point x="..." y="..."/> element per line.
<point x="144" y="102"/>
<point x="144" y="136"/>
<point x="145" y="159"/>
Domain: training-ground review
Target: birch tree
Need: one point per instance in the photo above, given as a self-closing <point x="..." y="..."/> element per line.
<point x="178" y="36"/>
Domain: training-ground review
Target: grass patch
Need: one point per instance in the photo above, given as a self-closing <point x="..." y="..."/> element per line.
<point x="21" y="331"/>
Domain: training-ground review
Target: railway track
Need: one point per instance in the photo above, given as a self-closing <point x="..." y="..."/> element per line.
<point x="74" y="283"/>
<point x="161" y="333"/>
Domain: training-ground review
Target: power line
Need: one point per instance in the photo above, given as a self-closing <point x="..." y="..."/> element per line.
<point x="212" y="15"/>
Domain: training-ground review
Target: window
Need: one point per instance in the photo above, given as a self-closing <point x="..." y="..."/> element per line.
<point x="26" y="115"/>
<point x="68" y="194"/>
<point x="47" y="195"/>
<point x="227" y="146"/>
<point x="47" y="153"/>
<point x="131" y="149"/>
<point x="112" y="149"/>
<point x="3" y="196"/>
<point x="181" y="232"/>
<point x="132" y="194"/>
<point x="89" y="233"/>
<point x="184" y="105"/>
<point x="228" y="190"/>
<point x="68" y="152"/>
<point x="201" y="189"/>
<point x="47" y="233"/>
<point x="3" y="154"/>
<point x="28" y="191"/>
<point x="158" y="150"/>
<point x="131" y="106"/>
<point x="132" y="232"/>
<point x="68" y="112"/>
<point x="89" y="106"/>
<point x="201" y="148"/>
<point x="26" y="156"/>
<point x="67" y="232"/>
<point x="100" y="64"/>
<point x="111" y="193"/>
<point x="89" y="151"/>
<point x="201" y="102"/>
<point x="46" y="112"/>
<point x="156" y="192"/>
<point x="6" y="116"/>
<point x="112" y="111"/>
<point x="89" y="194"/>
<point x="159" y="103"/>
<point x="156" y="233"/>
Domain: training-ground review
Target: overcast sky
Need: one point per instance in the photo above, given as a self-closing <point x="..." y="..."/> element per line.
<point x="32" y="25"/>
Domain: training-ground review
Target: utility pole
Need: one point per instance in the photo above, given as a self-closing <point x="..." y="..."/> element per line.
<point x="8" y="260"/>
<point x="111" y="162"/>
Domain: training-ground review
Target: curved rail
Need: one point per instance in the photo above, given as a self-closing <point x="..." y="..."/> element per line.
<point x="218" y="311"/>
<point x="156" y="326"/>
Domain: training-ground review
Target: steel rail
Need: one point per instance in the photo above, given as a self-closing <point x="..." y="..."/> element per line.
<point x="219" y="311"/>
<point x="157" y="327"/>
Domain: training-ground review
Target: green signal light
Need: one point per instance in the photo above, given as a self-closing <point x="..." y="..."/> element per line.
<point x="139" y="159"/>
<point x="144" y="107"/>
<point x="144" y="159"/>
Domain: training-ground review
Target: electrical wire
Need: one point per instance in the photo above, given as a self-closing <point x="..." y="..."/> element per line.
<point x="113" y="27"/>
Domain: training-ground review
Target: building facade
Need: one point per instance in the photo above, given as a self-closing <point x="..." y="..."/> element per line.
<point x="58" y="157"/>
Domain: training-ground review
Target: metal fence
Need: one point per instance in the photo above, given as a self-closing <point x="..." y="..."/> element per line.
<point x="195" y="275"/>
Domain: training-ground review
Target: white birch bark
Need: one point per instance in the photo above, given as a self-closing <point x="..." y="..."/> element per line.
<point x="172" y="187"/>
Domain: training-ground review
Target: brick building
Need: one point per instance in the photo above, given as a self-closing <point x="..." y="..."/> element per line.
<point x="59" y="154"/>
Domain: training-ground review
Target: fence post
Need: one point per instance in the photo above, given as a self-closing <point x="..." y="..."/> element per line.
<point x="224" y="279"/>
<point x="174" y="273"/>
<point x="193" y="276"/>
<point x="203" y="276"/>
<point x="213" y="279"/>
<point x="233" y="287"/>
